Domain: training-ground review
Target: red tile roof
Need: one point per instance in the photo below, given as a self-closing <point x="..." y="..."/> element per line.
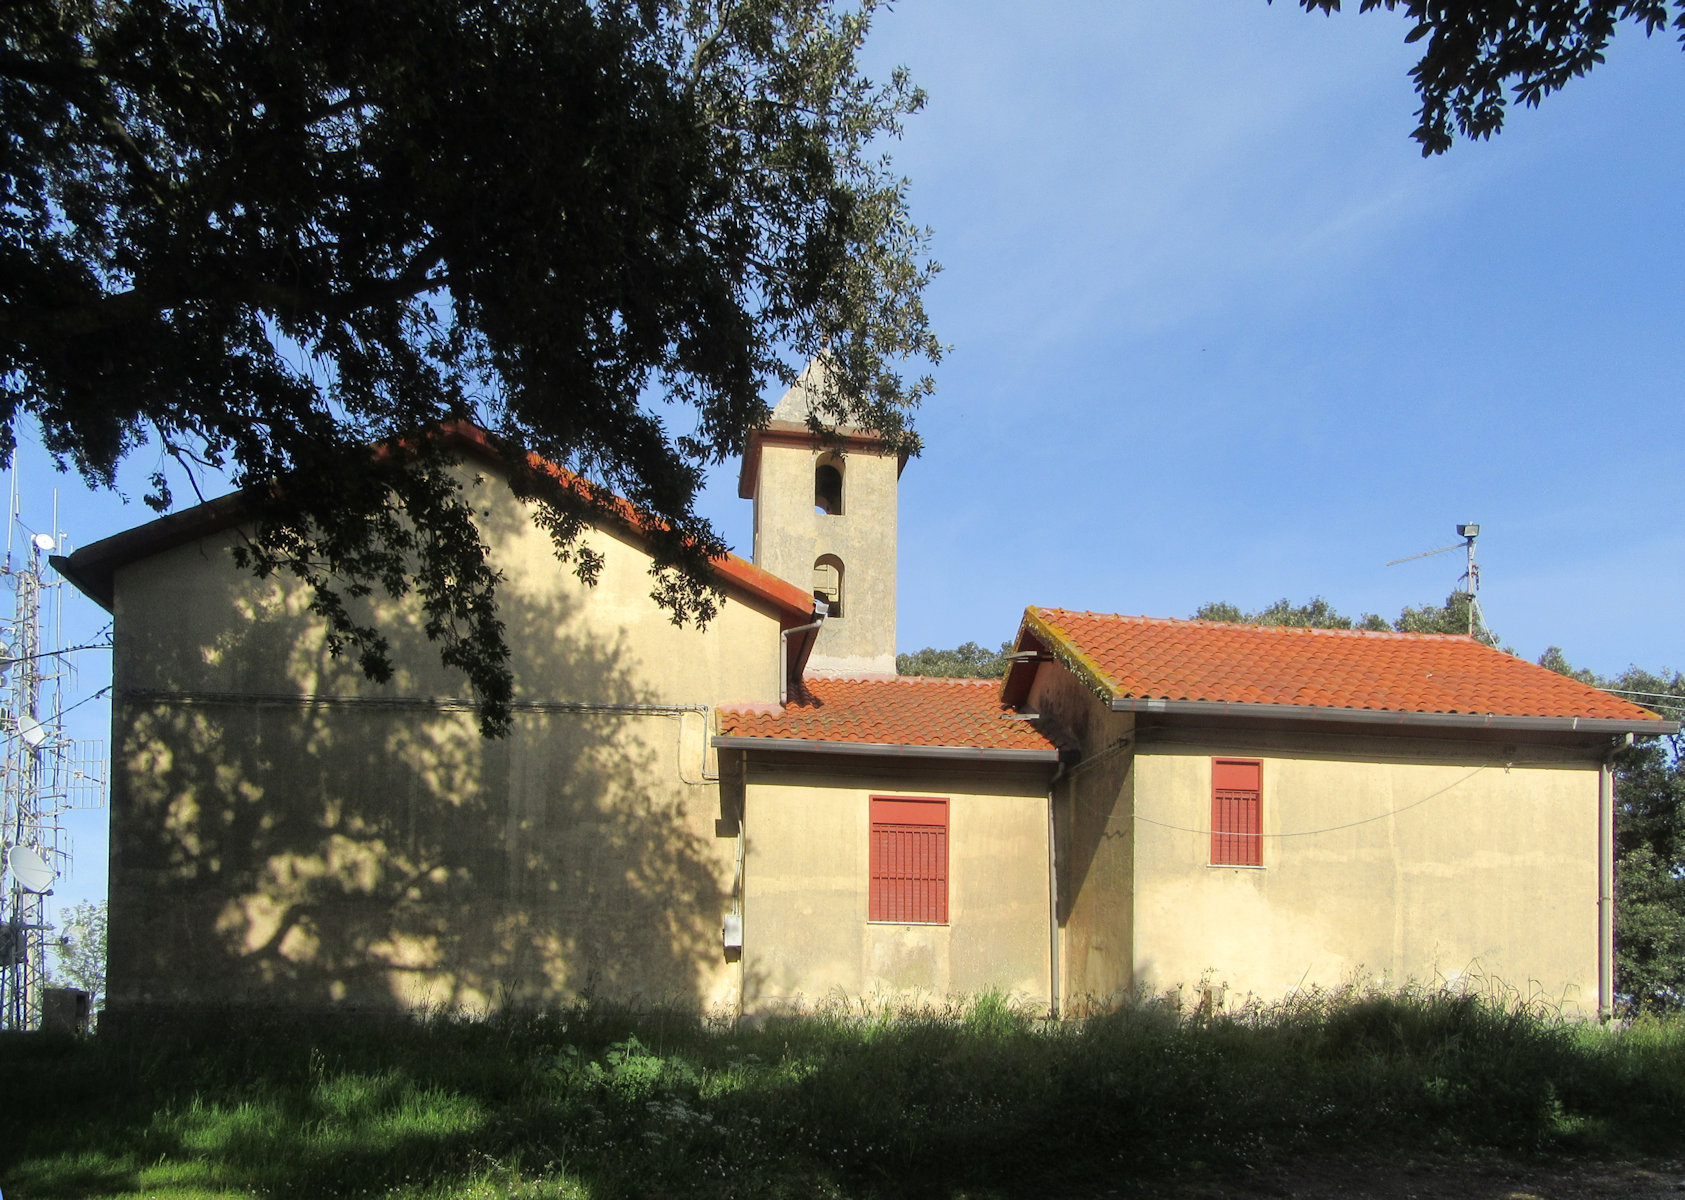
<point x="908" y="710"/>
<point x="1144" y="657"/>
<point x="93" y="567"/>
<point x="797" y="602"/>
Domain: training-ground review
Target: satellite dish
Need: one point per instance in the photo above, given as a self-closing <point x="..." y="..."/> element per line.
<point x="32" y="732"/>
<point x="29" y="869"/>
<point x="44" y="541"/>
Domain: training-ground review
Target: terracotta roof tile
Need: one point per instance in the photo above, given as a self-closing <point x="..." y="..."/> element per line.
<point x="905" y="711"/>
<point x="1155" y="658"/>
<point x="93" y="567"/>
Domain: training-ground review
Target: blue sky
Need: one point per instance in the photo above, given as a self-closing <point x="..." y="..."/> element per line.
<point x="1221" y="333"/>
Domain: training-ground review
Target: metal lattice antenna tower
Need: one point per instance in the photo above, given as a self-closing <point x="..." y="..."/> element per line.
<point x="43" y="773"/>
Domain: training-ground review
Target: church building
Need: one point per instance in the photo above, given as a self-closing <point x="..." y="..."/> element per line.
<point x="761" y="816"/>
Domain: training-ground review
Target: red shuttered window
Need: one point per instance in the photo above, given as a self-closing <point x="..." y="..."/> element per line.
<point x="1237" y="816"/>
<point x="909" y="861"/>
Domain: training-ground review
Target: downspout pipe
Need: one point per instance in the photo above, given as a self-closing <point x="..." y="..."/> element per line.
<point x="1053" y="895"/>
<point x="1606" y="879"/>
<point x="787" y="668"/>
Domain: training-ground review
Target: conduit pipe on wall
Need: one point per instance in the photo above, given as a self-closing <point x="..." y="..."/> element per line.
<point x="1606" y="879"/>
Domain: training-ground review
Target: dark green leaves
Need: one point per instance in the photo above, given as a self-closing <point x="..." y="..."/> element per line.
<point x="1316" y="613"/>
<point x="267" y="236"/>
<point x="1475" y="51"/>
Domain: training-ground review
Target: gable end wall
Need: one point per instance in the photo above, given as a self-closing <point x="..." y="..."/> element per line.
<point x="286" y="832"/>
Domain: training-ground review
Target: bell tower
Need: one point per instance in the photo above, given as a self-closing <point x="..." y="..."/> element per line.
<point x="825" y="520"/>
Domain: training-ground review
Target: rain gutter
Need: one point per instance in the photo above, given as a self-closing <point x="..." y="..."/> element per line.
<point x="1372" y="716"/>
<point x="881" y="750"/>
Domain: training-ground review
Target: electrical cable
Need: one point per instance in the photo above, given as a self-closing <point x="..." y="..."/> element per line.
<point x="84" y="700"/>
<point x="8" y="658"/>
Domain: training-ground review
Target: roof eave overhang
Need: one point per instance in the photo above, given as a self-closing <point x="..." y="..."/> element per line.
<point x="92" y="569"/>
<point x="1372" y="716"/>
<point x="880" y="750"/>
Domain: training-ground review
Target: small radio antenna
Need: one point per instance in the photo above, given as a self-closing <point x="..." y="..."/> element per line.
<point x="1471" y="577"/>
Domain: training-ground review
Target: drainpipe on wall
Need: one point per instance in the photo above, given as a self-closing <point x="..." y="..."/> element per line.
<point x="732" y="933"/>
<point x="784" y="663"/>
<point x="1053" y="896"/>
<point x="1606" y="879"/>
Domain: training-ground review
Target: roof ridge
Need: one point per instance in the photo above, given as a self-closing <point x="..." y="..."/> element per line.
<point x="917" y="711"/>
<point x="868" y="677"/>
<point x="1268" y="628"/>
<point x="1225" y="663"/>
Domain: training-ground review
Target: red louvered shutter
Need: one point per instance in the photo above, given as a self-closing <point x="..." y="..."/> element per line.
<point x="909" y="861"/>
<point x="1237" y="818"/>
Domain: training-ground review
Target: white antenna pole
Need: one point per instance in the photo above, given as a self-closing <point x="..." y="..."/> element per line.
<point x="1468" y="532"/>
<point x="1473" y="584"/>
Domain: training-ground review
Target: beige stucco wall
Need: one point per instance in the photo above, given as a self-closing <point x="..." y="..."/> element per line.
<point x="1388" y="859"/>
<point x="187" y="619"/>
<point x="1382" y="865"/>
<point x="1096" y="846"/>
<point x="807" y="938"/>
<point x="790" y="535"/>
<point x="286" y="831"/>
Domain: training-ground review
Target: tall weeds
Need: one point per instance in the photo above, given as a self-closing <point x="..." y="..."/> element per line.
<point x="977" y="1099"/>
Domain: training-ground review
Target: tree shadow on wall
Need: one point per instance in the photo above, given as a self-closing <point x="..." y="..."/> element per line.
<point x="372" y="850"/>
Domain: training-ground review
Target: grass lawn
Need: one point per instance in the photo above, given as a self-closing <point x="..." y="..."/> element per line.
<point x="981" y="1102"/>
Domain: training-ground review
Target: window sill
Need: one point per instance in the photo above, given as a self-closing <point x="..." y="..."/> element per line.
<point x="911" y="924"/>
<point x="1236" y="867"/>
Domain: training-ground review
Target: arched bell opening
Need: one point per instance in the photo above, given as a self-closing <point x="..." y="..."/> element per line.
<point x="828" y="583"/>
<point x="828" y="485"/>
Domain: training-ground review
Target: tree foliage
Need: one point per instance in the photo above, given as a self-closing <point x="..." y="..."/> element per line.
<point x="1317" y="613"/>
<point x="1481" y="55"/>
<point x="263" y="237"/>
<point x="1450" y="617"/>
<point x="1649" y="843"/>
<point x="81" y="950"/>
<point x="967" y="661"/>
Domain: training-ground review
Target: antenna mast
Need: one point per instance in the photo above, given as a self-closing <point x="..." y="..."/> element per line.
<point x="1470" y="581"/>
<point x="43" y="773"/>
